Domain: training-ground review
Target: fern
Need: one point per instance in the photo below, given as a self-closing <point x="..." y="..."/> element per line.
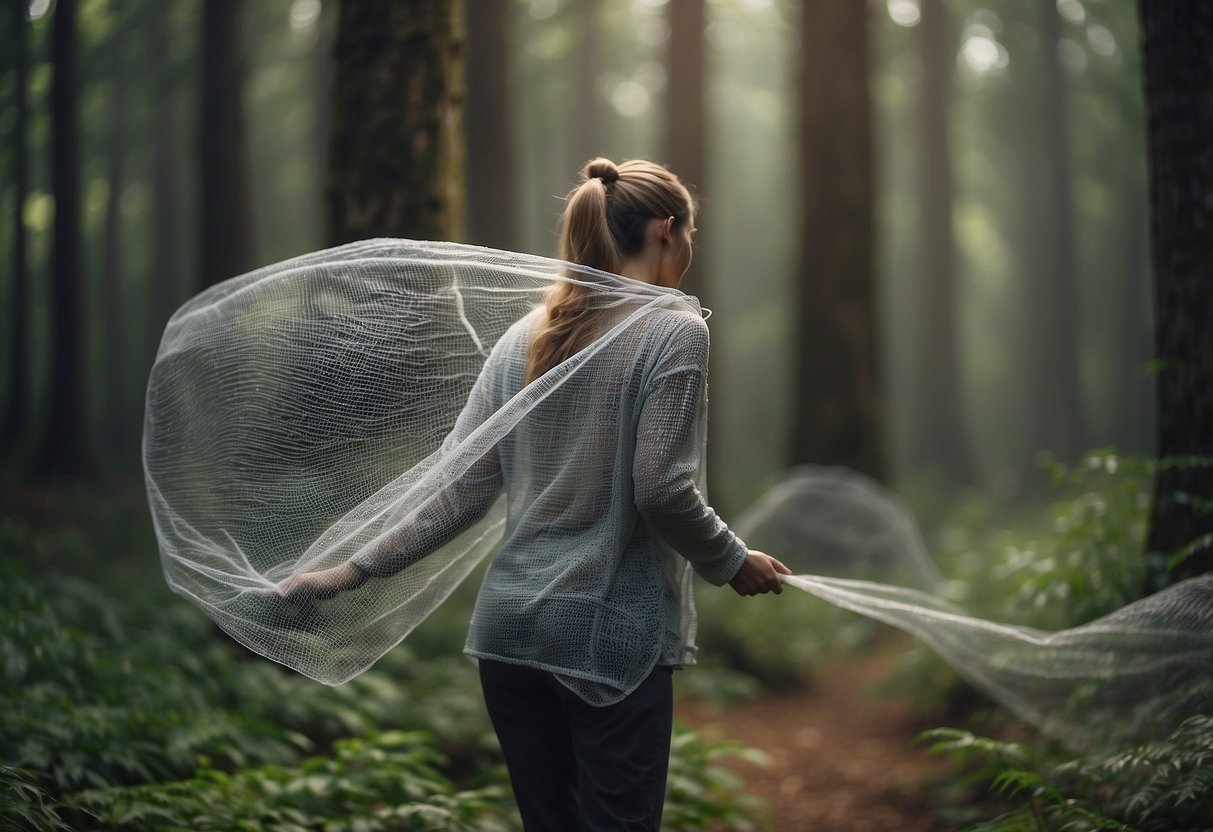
<point x="1164" y="786"/>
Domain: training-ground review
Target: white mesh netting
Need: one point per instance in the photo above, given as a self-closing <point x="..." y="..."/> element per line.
<point x="306" y="414"/>
<point x="327" y="409"/>
<point x="1132" y="674"/>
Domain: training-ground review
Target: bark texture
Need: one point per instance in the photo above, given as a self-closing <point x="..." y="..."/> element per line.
<point x="938" y="440"/>
<point x="491" y="216"/>
<point x="65" y="442"/>
<point x="16" y="411"/>
<point x="396" y="152"/>
<point x="586" y="60"/>
<point x="1050" y="387"/>
<point x="837" y="404"/>
<point x="685" y="151"/>
<point x="114" y="432"/>
<point x="227" y="208"/>
<point x="1178" y="51"/>
<point x="684" y="114"/>
<point x="168" y="286"/>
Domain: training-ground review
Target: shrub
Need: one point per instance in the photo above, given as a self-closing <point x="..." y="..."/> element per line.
<point x="1164" y="786"/>
<point x="132" y="711"/>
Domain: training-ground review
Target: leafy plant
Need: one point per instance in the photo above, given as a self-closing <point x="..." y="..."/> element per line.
<point x="124" y="708"/>
<point x="388" y="781"/>
<point x="701" y="792"/>
<point x="24" y="805"/>
<point x="1090" y="563"/>
<point x="1164" y="786"/>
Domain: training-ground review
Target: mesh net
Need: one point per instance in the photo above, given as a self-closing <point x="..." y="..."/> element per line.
<point x="1130" y="675"/>
<point x="319" y="411"/>
<point x="359" y="405"/>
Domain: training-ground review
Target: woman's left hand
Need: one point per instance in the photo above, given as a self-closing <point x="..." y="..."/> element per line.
<point x="325" y="583"/>
<point x="759" y="573"/>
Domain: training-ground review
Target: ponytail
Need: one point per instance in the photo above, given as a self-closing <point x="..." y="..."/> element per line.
<point x="604" y="222"/>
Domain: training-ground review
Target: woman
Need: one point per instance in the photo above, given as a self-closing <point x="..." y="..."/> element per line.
<point x="586" y="607"/>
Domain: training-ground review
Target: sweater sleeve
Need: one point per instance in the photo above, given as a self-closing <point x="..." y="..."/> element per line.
<point x="669" y="447"/>
<point x="453" y="508"/>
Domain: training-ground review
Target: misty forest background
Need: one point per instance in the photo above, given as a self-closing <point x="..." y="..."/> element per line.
<point x="945" y="242"/>
<point x="984" y="207"/>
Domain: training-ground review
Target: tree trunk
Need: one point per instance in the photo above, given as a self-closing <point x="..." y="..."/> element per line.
<point x="685" y="151"/>
<point x="396" y="156"/>
<point x="167" y="281"/>
<point x="1134" y="422"/>
<point x="114" y="433"/>
<point x="837" y="416"/>
<point x="1178" y="53"/>
<point x="937" y="437"/>
<point x="1069" y="425"/>
<point x="16" y="412"/>
<point x="1052" y="414"/>
<point x="65" y="443"/>
<point x="684" y="120"/>
<point x="491" y="215"/>
<point x="587" y="126"/>
<point x="227" y="213"/>
<point x="321" y="67"/>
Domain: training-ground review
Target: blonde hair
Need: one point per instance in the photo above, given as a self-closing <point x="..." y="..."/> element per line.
<point x="604" y="223"/>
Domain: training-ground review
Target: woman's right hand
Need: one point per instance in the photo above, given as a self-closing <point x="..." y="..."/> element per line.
<point x="323" y="584"/>
<point x="759" y="573"/>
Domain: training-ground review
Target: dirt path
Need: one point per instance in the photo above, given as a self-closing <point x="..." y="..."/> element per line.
<point x="841" y="760"/>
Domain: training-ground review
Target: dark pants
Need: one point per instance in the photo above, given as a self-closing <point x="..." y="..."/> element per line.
<point x="577" y="767"/>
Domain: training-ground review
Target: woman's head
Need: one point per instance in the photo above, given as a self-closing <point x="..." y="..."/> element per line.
<point x="611" y="214"/>
<point x="634" y="219"/>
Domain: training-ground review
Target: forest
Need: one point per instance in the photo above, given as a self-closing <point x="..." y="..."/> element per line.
<point x="962" y="248"/>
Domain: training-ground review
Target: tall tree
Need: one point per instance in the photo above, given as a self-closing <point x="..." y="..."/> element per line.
<point x="321" y="69"/>
<point x="1178" y="52"/>
<point x="227" y="212"/>
<point x="684" y="121"/>
<point x="168" y="263"/>
<point x="16" y="413"/>
<point x="1070" y="423"/>
<point x="491" y="216"/>
<point x="1136" y="428"/>
<point x="836" y="400"/>
<point x="587" y="121"/>
<point x="114" y="433"/>
<point x="1052" y="412"/>
<point x="395" y="164"/>
<point x="685" y="151"/>
<point x="1134" y="417"/>
<point x="937" y="436"/>
<point x="65" y="445"/>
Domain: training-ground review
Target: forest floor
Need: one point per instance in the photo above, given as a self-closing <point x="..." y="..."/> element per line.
<point x="840" y="758"/>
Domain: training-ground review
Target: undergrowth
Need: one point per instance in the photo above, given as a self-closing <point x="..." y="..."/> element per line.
<point x="122" y="707"/>
<point x="1087" y="563"/>
<point x="1163" y="786"/>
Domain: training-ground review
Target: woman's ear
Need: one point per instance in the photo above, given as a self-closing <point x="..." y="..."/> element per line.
<point x="665" y="230"/>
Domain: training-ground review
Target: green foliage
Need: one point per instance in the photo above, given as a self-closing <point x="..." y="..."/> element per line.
<point x="1083" y="561"/>
<point x="1088" y="564"/>
<point x="388" y="781"/>
<point x="124" y="708"/>
<point x="1092" y="564"/>
<point x="146" y="698"/>
<point x="1164" y="786"/>
<point x="715" y="682"/>
<point x="24" y="804"/>
<point x="701" y="792"/>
